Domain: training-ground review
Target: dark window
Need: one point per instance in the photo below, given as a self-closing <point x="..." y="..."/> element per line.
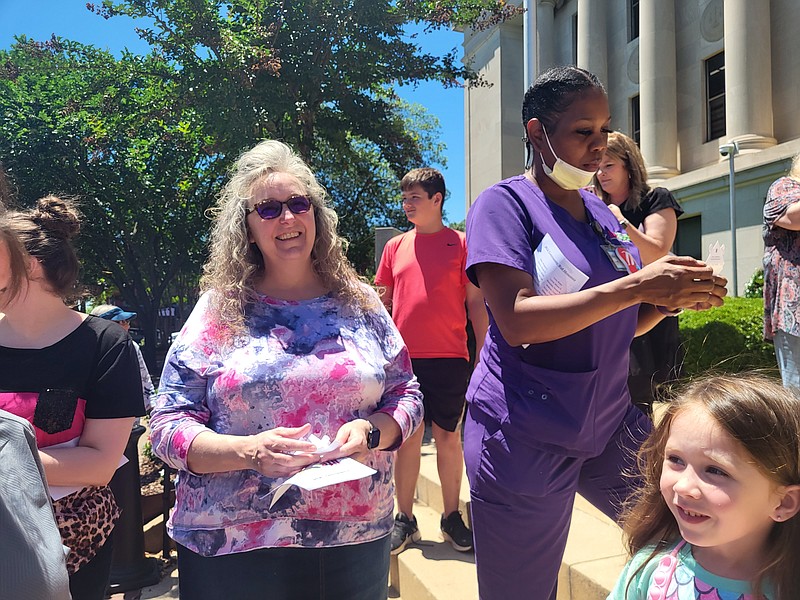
<point x="636" y="121"/>
<point x="633" y="20"/>
<point x="689" y="242"/>
<point x="715" y="94"/>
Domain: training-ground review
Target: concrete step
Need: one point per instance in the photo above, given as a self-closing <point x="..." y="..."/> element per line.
<point x="431" y="569"/>
<point x="594" y="556"/>
<point x="429" y="491"/>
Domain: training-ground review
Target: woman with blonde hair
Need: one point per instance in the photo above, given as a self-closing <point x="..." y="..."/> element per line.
<point x="286" y="341"/>
<point x="75" y="378"/>
<point x="649" y="217"/>
<point x="653" y="212"/>
<point x="782" y="272"/>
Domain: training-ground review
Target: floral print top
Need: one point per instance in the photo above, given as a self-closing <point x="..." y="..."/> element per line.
<point x="688" y="581"/>
<point x="781" y="262"/>
<point x="311" y="361"/>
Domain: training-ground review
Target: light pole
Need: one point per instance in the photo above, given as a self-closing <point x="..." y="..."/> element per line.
<point x="730" y="150"/>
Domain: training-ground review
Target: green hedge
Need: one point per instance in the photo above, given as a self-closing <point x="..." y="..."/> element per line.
<point x="727" y="339"/>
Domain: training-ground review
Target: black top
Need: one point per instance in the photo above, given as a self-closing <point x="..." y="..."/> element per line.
<point x="95" y="363"/>
<point x="653" y="201"/>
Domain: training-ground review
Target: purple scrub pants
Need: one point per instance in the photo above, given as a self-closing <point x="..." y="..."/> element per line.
<point x="522" y="502"/>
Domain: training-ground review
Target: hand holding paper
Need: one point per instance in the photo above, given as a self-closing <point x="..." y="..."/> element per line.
<point x="323" y="474"/>
<point x="281" y="452"/>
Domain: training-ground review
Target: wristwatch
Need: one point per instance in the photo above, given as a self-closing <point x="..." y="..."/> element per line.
<point x="373" y="437"/>
<point x="624" y="223"/>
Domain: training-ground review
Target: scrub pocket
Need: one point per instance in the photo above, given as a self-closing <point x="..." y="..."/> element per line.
<point x="553" y="409"/>
<point x="502" y="468"/>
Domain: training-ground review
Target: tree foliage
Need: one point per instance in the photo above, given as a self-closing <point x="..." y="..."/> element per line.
<point x="319" y="75"/>
<point x="365" y="188"/>
<point x="76" y="120"/>
<point x="308" y="71"/>
<point x="144" y="140"/>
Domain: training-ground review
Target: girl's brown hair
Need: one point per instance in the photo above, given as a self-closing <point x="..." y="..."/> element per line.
<point x="17" y="262"/>
<point x="45" y="232"/>
<point x="794" y="170"/>
<point x="764" y="418"/>
<point x="624" y="149"/>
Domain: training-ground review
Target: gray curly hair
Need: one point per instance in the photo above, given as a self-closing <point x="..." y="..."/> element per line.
<point x="235" y="264"/>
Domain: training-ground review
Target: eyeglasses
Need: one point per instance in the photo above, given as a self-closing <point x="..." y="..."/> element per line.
<point x="272" y="209"/>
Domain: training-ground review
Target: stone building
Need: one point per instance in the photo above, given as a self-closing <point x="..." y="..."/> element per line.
<point x="684" y="77"/>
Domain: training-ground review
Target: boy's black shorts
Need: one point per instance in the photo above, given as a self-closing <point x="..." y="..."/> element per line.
<point x="443" y="383"/>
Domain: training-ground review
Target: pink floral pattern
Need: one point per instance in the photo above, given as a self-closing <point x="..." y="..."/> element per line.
<point x="675" y="575"/>
<point x="312" y="362"/>
<point x="781" y="262"/>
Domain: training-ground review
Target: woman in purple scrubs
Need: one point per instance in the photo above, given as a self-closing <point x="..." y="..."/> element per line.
<point x="549" y="411"/>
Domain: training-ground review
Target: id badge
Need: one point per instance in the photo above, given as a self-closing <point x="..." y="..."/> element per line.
<point x="616" y="260"/>
<point x="628" y="259"/>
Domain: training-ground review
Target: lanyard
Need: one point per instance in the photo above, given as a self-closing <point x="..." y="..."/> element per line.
<point x="619" y="256"/>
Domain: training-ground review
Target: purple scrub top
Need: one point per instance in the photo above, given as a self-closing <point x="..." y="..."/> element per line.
<point x="569" y="395"/>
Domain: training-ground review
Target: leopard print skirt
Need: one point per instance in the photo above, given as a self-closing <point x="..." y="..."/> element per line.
<point x="85" y="519"/>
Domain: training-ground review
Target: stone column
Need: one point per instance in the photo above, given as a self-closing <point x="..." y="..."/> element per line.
<point x="748" y="75"/>
<point x="592" y="39"/>
<point x="657" y="88"/>
<point x="545" y="46"/>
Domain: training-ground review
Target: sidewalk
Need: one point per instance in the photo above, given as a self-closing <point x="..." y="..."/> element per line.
<point x="166" y="588"/>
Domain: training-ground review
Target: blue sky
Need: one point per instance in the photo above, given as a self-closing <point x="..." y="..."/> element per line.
<point x="39" y="19"/>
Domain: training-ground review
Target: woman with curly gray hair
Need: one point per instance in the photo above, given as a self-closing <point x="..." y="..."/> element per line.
<point x="237" y="266"/>
<point x="285" y="342"/>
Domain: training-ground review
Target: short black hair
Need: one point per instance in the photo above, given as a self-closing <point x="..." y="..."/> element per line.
<point x="553" y="92"/>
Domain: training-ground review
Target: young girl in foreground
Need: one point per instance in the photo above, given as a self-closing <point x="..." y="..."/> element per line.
<point x="716" y="518"/>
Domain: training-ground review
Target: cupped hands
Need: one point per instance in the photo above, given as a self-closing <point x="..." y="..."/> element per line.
<point x="681" y="282"/>
<point x="280" y="452"/>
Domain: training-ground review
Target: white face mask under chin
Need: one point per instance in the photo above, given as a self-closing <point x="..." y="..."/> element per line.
<point x="563" y="174"/>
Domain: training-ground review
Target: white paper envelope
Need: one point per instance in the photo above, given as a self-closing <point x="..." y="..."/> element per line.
<point x="322" y="475"/>
<point x="716" y="257"/>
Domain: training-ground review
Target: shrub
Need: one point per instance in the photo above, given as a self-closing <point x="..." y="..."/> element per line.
<point x="755" y="287"/>
<point x="727" y="339"/>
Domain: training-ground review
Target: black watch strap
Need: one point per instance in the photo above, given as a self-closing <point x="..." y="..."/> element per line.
<point x="373" y="437"/>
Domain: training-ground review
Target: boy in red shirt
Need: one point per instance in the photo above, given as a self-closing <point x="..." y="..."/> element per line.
<point x="422" y="282"/>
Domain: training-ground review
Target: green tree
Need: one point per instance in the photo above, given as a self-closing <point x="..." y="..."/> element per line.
<point x="366" y="189"/>
<point x="319" y="75"/>
<point x="460" y="225"/>
<point x="144" y="139"/>
<point x="77" y="120"/>
<point x="307" y="70"/>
